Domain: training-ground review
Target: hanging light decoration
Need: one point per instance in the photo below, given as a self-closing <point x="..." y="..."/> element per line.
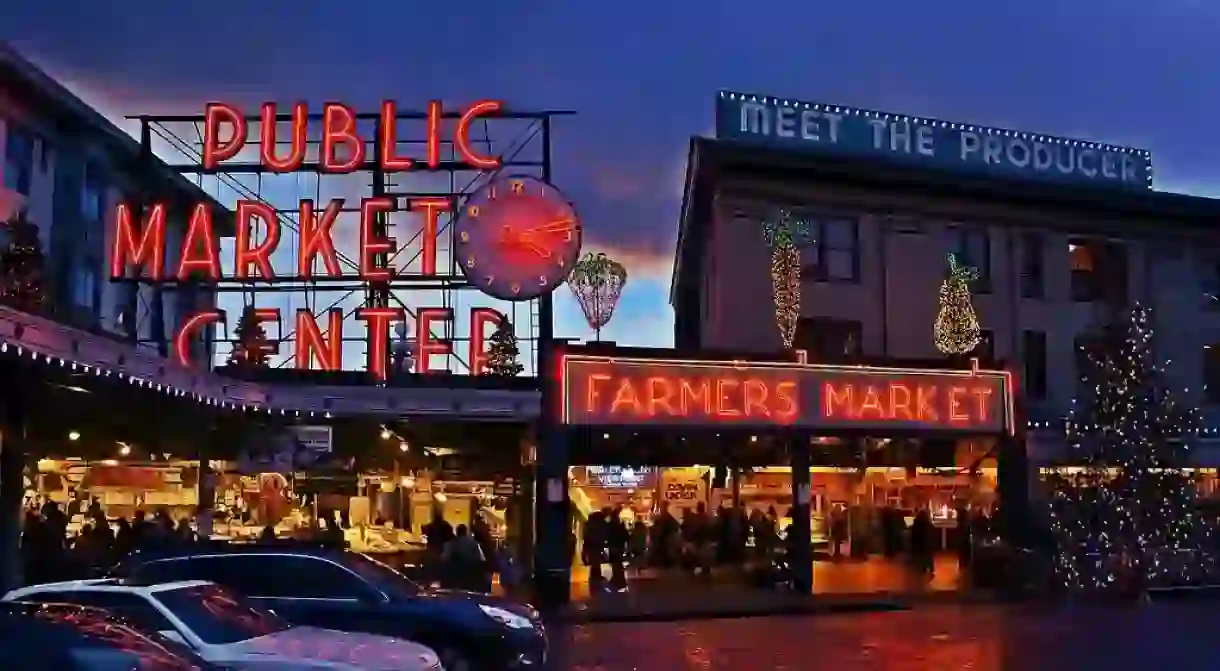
<point x="783" y="234"/>
<point x="956" y="329"/>
<point x="597" y="282"/>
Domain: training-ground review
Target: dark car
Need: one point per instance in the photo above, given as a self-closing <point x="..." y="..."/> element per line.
<point x="74" y="638"/>
<point x="348" y="591"/>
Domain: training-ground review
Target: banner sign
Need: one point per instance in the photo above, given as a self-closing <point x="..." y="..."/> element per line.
<point x="624" y="477"/>
<point x="947" y="145"/>
<point x="606" y="391"/>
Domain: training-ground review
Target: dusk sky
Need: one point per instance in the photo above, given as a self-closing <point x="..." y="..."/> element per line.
<point x="643" y="77"/>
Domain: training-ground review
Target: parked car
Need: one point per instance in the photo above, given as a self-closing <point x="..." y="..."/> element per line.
<point x="338" y="589"/>
<point x="224" y="628"/>
<point x="71" y="638"/>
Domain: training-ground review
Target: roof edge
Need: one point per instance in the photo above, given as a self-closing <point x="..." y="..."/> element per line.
<point x="122" y="142"/>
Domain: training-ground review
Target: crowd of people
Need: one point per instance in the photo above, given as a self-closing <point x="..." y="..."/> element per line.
<point x="465" y="557"/>
<point x="731" y="536"/>
<point x="49" y="552"/>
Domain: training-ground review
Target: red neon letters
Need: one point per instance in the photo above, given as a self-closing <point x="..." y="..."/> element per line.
<point x="225" y="129"/>
<point x="283" y="136"/>
<point x="618" y="391"/>
<point x="322" y="344"/>
<point x="953" y="402"/>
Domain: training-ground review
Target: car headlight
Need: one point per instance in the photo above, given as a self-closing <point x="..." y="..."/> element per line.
<point x="506" y="618"/>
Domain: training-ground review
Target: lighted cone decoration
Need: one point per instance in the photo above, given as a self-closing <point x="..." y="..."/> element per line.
<point x="597" y="281"/>
<point x="783" y="235"/>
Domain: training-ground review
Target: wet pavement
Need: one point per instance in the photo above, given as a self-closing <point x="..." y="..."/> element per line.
<point x="1161" y="636"/>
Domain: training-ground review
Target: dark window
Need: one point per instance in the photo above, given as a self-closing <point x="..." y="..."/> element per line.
<point x="1211" y="373"/>
<point x="18" y="159"/>
<point x="985" y="350"/>
<point x="828" y="339"/>
<point x="1084" y="349"/>
<point x="1084" y="270"/>
<point x="263" y="575"/>
<point x="1033" y="352"/>
<point x="84" y="285"/>
<point x="1099" y="270"/>
<point x="380" y="576"/>
<point x="1032" y="284"/>
<point x="973" y="247"/>
<point x="219" y="616"/>
<point x="1209" y="280"/>
<point x="93" y="196"/>
<point x="834" y="255"/>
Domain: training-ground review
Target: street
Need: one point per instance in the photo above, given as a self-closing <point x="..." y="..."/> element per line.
<point x="927" y="638"/>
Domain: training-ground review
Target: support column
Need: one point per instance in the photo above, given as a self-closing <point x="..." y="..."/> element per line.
<point x="800" y="536"/>
<point x="13" y="457"/>
<point x="1012" y="487"/>
<point x="552" y="511"/>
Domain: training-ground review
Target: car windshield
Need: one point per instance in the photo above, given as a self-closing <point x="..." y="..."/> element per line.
<point x="392" y="583"/>
<point x="218" y="616"/>
<point x="152" y="651"/>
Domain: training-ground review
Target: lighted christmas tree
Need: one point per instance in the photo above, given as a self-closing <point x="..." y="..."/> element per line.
<point x="956" y="330"/>
<point x="1127" y="518"/>
<point x="252" y="349"/>
<point x="502" y="352"/>
<point x="21" y="266"/>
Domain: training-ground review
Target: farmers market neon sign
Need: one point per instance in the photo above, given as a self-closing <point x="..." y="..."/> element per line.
<point x="608" y="390"/>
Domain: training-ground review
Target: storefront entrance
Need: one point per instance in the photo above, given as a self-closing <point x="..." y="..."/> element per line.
<point x="838" y="460"/>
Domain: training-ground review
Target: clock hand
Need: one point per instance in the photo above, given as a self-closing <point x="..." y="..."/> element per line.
<point x="557" y="226"/>
<point x="510" y="237"/>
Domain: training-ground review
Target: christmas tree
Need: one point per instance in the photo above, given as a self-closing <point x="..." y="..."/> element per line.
<point x="502" y="352"/>
<point x="957" y="327"/>
<point x="21" y="264"/>
<point x="1127" y="517"/>
<point x="252" y="349"/>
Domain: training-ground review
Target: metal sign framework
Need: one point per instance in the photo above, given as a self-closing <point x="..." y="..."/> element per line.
<point x="522" y="141"/>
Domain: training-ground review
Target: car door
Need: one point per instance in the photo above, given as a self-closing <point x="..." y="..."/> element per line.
<point x="316" y="592"/>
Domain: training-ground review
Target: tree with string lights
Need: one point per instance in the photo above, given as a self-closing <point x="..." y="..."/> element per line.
<point x="956" y="330"/>
<point x="1126" y="517"/>
<point x="502" y="351"/>
<point x="253" y="349"/>
<point x="21" y="266"/>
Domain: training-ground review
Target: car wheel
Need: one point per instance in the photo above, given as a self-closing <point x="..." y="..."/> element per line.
<point x="455" y="660"/>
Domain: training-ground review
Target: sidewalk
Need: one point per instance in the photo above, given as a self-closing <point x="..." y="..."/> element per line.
<point x="874" y="584"/>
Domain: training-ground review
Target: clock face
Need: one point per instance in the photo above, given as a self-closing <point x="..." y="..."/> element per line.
<point x="517" y="238"/>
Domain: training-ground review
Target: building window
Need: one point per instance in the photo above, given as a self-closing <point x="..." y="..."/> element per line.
<point x="18" y="159"/>
<point x="828" y="340"/>
<point x="835" y="251"/>
<point x="1086" y="347"/>
<point x="1033" y="352"/>
<point x="1031" y="266"/>
<point x="84" y="285"/>
<point x="973" y="248"/>
<point x="1211" y="373"/>
<point x="1209" y="280"/>
<point x="93" y="195"/>
<point x="1099" y="270"/>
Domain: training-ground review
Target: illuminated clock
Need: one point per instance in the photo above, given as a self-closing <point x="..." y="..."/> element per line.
<point x="517" y="238"/>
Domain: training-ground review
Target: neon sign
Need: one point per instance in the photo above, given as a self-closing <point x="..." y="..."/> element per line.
<point x="547" y="223"/>
<point x="608" y="390"/>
